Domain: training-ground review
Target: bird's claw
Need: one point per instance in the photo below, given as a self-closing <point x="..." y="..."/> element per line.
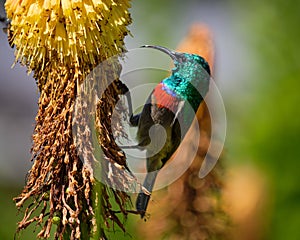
<point x="122" y="87"/>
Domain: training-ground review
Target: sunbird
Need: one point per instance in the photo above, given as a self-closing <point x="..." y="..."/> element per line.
<point x="167" y="115"/>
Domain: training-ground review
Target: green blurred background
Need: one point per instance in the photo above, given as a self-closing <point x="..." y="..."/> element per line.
<point x="258" y="73"/>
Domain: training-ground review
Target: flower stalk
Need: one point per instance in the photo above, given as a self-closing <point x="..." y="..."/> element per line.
<point x="61" y="42"/>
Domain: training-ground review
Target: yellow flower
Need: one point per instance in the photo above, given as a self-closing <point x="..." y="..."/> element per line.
<point x="68" y="31"/>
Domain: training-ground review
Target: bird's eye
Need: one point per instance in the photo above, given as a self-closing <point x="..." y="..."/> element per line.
<point x="183" y="59"/>
<point x="180" y="57"/>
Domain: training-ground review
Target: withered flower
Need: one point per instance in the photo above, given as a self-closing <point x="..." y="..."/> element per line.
<point x="61" y="42"/>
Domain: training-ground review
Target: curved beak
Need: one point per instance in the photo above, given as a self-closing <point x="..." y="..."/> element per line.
<point x="171" y="53"/>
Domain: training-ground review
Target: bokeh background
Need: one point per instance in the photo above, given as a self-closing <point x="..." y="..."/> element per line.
<point x="258" y="72"/>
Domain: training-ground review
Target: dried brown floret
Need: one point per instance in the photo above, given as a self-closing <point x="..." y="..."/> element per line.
<point x="61" y="42"/>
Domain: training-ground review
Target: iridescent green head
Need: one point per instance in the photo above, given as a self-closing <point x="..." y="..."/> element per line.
<point x="190" y="76"/>
<point x="180" y="59"/>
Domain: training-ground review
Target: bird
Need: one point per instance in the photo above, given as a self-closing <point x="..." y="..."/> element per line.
<point x="167" y="115"/>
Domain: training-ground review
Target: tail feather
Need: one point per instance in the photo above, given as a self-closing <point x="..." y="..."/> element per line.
<point x="144" y="196"/>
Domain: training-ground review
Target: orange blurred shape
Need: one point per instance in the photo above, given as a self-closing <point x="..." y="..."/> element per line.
<point x="245" y="200"/>
<point x="199" y="40"/>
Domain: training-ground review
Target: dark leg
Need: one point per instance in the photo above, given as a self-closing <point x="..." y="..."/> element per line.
<point x="133" y="119"/>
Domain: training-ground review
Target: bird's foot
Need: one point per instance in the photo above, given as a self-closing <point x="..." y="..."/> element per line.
<point x="122" y="87"/>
